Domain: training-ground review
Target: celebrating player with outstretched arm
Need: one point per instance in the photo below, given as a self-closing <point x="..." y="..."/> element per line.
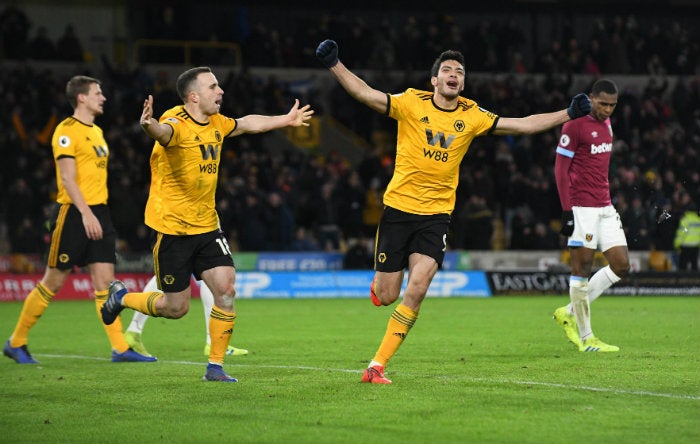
<point x="181" y="208"/>
<point x="435" y="129"/>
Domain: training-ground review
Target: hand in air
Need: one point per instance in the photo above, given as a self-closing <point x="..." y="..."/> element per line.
<point x="147" y="113"/>
<point x="300" y="116"/>
<point x="327" y="53"/>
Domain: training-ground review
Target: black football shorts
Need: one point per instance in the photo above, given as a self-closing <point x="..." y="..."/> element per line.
<point x="399" y="234"/>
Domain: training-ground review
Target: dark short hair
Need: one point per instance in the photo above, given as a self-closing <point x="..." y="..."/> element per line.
<point x="78" y="85"/>
<point x="604" y="86"/>
<point x="446" y="55"/>
<point x="184" y="82"/>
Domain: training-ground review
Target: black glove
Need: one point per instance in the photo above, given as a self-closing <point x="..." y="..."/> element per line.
<point x="327" y="53"/>
<point x="580" y="105"/>
<point x="567" y="223"/>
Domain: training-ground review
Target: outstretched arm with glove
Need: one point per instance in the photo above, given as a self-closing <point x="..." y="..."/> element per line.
<point x="327" y="54"/>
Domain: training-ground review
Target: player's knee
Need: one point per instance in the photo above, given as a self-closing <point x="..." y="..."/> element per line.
<point x="621" y="268"/>
<point x="180" y="313"/>
<point x="176" y="311"/>
<point x="386" y="296"/>
<point x="388" y="301"/>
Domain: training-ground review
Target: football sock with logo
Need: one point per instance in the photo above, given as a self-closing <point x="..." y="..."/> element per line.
<point x="35" y="304"/>
<point x="144" y="302"/>
<point x="401" y="321"/>
<point x="578" y="292"/>
<point x="114" y="330"/>
<point x="220" y="328"/>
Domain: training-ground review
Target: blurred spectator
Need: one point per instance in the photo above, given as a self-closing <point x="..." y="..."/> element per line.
<point x="540" y="237"/>
<point x="664" y="228"/>
<point x="21" y="206"/>
<point x="303" y="241"/>
<point x="68" y="46"/>
<point x="636" y="222"/>
<point x="372" y="211"/>
<point x="41" y="47"/>
<point x="359" y="255"/>
<point x="327" y="218"/>
<point x="687" y="239"/>
<point x="521" y="228"/>
<point x="26" y="238"/>
<point x="351" y="198"/>
<point x="14" y="32"/>
<point x="474" y="229"/>
<point x="252" y="230"/>
<point x="279" y="223"/>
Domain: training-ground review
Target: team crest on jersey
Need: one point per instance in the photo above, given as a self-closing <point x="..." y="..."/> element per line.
<point x="169" y="279"/>
<point x="564" y="141"/>
<point x="63" y="258"/>
<point x="217" y="134"/>
<point x="171" y="120"/>
<point x="459" y="125"/>
<point x="63" y="141"/>
<point x="381" y="257"/>
<point x="594" y="134"/>
<point x="589" y="237"/>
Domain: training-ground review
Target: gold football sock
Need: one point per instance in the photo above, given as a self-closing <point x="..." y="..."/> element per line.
<point x="220" y="328"/>
<point x="35" y="304"/>
<point x="114" y="331"/>
<point x="401" y="321"/>
<point x="143" y="302"/>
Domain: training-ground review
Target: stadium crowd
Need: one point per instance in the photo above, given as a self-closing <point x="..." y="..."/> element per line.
<point x="283" y="200"/>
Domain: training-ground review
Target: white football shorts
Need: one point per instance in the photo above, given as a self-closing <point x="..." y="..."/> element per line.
<point x="597" y="228"/>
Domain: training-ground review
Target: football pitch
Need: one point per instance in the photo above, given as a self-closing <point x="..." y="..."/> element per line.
<point x="495" y="370"/>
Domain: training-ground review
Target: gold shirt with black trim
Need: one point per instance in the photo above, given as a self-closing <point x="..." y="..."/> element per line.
<point x="184" y="174"/>
<point x="431" y="143"/>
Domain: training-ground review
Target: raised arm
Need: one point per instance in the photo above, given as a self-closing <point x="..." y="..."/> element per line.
<point x="160" y="132"/>
<point x="327" y="53"/>
<point x="580" y="106"/>
<point x="255" y="123"/>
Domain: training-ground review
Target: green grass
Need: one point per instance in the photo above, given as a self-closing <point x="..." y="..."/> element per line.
<point x="493" y="370"/>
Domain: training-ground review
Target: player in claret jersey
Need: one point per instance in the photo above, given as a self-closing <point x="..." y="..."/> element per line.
<point x="588" y="218"/>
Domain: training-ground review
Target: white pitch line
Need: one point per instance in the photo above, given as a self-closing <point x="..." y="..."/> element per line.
<point x="467" y="378"/>
<point x="592" y="389"/>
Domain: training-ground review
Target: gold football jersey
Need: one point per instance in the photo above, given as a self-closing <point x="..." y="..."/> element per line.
<point x="86" y="144"/>
<point x="184" y="174"/>
<point x="431" y="143"/>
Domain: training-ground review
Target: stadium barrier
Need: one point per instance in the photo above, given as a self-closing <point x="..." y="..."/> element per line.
<point x="320" y="275"/>
<point x="653" y="283"/>
<point x="263" y="284"/>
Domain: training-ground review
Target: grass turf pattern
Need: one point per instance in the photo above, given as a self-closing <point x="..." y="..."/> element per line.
<point x="496" y="370"/>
